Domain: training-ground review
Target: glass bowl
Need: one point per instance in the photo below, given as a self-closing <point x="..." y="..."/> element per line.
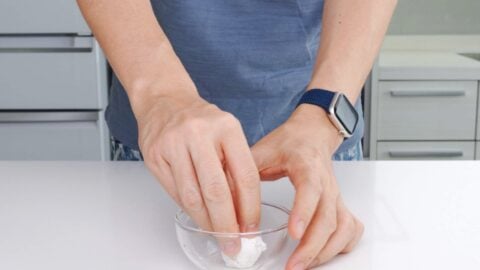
<point x="203" y="248"/>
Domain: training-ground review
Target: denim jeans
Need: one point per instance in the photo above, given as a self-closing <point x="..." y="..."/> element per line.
<point x="123" y="152"/>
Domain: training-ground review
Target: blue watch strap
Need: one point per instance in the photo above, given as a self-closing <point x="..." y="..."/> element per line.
<point x="319" y="97"/>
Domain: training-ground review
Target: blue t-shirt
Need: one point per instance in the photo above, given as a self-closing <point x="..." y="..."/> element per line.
<point x="253" y="58"/>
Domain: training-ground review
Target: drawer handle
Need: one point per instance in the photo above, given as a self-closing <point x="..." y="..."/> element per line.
<point x="48" y="43"/>
<point x="427" y="93"/>
<point x="426" y="154"/>
<point x="31" y="117"/>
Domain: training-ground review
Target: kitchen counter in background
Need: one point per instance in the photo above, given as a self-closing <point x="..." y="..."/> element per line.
<point x="105" y="215"/>
<point x="423" y="99"/>
<point x="427" y="65"/>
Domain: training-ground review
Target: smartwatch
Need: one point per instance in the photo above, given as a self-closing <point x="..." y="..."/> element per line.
<point x="341" y="112"/>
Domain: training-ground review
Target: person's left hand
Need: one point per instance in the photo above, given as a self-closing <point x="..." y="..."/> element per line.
<point x="302" y="149"/>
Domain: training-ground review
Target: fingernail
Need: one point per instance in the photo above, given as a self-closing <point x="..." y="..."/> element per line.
<point x="252" y="228"/>
<point x="300" y="228"/>
<point x="230" y="247"/>
<point x="299" y="266"/>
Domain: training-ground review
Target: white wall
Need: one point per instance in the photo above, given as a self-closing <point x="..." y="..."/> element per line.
<point x="436" y="17"/>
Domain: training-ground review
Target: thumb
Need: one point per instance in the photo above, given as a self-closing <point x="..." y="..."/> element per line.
<point x="261" y="154"/>
<point x="266" y="158"/>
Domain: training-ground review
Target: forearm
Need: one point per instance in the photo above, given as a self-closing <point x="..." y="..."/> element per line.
<point x="137" y="48"/>
<point x="352" y="34"/>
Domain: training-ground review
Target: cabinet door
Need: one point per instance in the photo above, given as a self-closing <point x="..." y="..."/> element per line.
<point x="426" y="150"/>
<point x="51" y="72"/>
<point x="477" y="155"/>
<point x="50" y="136"/>
<point x="427" y="110"/>
<point x="41" y="16"/>
<point x="478" y="115"/>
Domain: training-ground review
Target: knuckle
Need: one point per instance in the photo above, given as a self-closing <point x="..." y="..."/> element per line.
<point x="347" y="222"/>
<point x="310" y="247"/>
<point x="191" y="199"/>
<point x="315" y="186"/>
<point x="330" y="224"/>
<point x="360" y="227"/>
<point x="310" y="255"/>
<point x="230" y="120"/>
<point x="316" y="262"/>
<point x="249" y="179"/>
<point x="150" y="156"/>
<point x="302" y="165"/>
<point x="215" y="191"/>
<point x="348" y="249"/>
<point x="164" y="148"/>
<point x="212" y="107"/>
<point x="167" y="138"/>
<point x="175" y="197"/>
<point x="306" y="211"/>
<point x="305" y="154"/>
<point x="306" y="253"/>
<point x="195" y="126"/>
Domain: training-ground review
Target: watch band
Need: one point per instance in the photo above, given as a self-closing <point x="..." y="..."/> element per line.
<point x="319" y="97"/>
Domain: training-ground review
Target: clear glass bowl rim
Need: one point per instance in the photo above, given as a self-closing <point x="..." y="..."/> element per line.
<point x="225" y="234"/>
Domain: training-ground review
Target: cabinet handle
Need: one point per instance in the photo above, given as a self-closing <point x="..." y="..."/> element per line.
<point x="32" y="117"/>
<point x="45" y="43"/>
<point x="427" y="93"/>
<point x="426" y="154"/>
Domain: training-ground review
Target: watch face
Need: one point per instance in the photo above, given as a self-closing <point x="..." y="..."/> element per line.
<point x="346" y="114"/>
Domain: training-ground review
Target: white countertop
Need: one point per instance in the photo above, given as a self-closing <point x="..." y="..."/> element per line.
<point x="102" y="216"/>
<point x="429" y="58"/>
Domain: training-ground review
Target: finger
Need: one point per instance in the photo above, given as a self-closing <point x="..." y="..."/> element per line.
<point x="260" y="154"/>
<point x="268" y="161"/>
<point x="231" y="185"/>
<point x="323" y="225"/>
<point x="358" y="235"/>
<point x="161" y="170"/>
<point x="246" y="179"/>
<point x="308" y="191"/>
<point x="345" y="233"/>
<point x="271" y="174"/>
<point x="216" y="193"/>
<point x="188" y="189"/>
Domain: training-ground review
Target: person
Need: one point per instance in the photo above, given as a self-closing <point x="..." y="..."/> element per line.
<point x="206" y="92"/>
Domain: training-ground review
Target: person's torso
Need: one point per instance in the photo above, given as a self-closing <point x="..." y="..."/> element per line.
<point x="252" y="58"/>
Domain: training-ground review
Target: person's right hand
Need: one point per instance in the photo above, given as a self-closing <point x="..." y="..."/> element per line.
<point x="201" y="157"/>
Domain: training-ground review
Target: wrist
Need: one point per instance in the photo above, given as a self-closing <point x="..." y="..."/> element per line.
<point x="147" y="94"/>
<point x="146" y="101"/>
<point x="329" y="75"/>
<point x="162" y="77"/>
<point x="309" y="115"/>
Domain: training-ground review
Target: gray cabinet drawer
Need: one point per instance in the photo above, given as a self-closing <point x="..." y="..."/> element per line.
<point x="425" y="150"/>
<point x="44" y="16"/>
<point x="51" y="73"/>
<point x="427" y="110"/>
<point x="51" y="136"/>
<point x="478" y="115"/>
<point x="477" y="154"/>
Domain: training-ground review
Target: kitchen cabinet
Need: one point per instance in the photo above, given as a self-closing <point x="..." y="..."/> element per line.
<point x="430" y="150"/>
<point x="41" y="17"/>
<point x="53" y="84"/>
<point x="51" y="72"/>
<point x="425" y="102"/>
<point x="477" y="154"/>
<point x="478" y="114"/>
<point x="51" y="136"/>
<point x="427" y="110"/>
